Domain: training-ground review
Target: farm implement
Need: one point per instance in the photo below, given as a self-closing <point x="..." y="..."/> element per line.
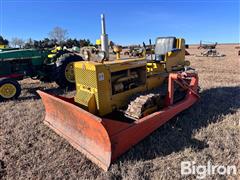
<point x="210" y="50"/>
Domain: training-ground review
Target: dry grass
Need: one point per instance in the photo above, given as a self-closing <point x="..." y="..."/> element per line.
<point x="210" y="130"/>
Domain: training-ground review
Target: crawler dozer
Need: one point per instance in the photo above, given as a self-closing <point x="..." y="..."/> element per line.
<point x="119" y="101"/>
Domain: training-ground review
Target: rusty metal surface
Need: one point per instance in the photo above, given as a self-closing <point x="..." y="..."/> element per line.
<point x="82" y="129"/>
<point x="146" y="125"/>
<point x="143" y="103"/>
<point x="103" y="140"/>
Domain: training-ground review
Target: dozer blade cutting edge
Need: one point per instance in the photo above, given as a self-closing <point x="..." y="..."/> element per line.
<point x="102" y="140"/>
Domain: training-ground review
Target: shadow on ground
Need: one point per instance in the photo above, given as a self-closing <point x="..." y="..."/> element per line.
<point x="34" y="95"/>
<point x="176" y="135"/>
<point x="2" y="169"/>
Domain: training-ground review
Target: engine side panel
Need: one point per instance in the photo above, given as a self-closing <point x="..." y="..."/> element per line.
<point x="110" y="84"/>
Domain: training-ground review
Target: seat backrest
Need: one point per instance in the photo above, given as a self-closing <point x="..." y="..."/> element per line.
<point x="164" y="45"/>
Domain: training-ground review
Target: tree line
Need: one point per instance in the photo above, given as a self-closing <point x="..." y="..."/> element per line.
<point x="57" y="37"/>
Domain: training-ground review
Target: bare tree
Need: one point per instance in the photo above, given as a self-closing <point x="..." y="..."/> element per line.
<point x="59" y="34"/>
<point x="29" y="43"/>
<point x="17" y="42"/>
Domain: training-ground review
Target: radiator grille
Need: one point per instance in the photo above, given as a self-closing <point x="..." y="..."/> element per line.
<point x="86" y="77"/>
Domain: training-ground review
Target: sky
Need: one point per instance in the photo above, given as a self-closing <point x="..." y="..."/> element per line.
<point x="127" y="22"/>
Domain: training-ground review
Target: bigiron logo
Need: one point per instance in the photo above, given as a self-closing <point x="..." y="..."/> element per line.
<point x="202" y="171"/>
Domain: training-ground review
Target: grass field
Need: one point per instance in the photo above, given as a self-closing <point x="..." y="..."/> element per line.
<point x="208" y="131"/>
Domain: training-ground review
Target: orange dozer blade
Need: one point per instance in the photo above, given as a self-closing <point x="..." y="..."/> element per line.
<point x="103" y="140"/>
<point x="83" y="130"/>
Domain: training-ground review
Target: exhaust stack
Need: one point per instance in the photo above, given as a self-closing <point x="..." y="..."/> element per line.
<point x="104" y="37"/>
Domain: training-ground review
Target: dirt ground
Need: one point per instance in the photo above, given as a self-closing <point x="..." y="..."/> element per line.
<point x="208" y="131"/>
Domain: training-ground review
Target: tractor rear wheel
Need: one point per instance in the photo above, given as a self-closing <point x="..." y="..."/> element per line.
<point x="64" y="74"/>
<point x="9" y="89"/>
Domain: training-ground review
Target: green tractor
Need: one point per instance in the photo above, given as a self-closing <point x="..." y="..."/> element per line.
<point x="45" y="65"/>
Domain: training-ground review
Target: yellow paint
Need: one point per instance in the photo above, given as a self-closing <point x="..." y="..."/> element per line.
<point x="98" y="42"/>
<point x="2" y="46"/>
<point x="69" y="72"/>
<point x="8" y="90"/>
<point x="51" y="55"/>
<point x="94" y="80"/>
<point x="56" y="49"/>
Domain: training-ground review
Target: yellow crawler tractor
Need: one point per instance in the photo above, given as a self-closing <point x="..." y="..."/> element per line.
<point x="119" y="101"/>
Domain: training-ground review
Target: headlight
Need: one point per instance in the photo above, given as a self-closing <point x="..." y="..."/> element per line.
<point x="86" y="55"/>
<point x="101" y="56"/>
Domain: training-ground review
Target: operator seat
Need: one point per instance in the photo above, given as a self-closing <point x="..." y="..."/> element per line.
<point x="164" y="45"/>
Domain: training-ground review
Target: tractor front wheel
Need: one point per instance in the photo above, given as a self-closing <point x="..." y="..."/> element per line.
<point x="9" y="89"/>
<point x="64" y="74"/>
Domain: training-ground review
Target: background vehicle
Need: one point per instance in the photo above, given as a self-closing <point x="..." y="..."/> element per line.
<point x="45" y="65"/>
